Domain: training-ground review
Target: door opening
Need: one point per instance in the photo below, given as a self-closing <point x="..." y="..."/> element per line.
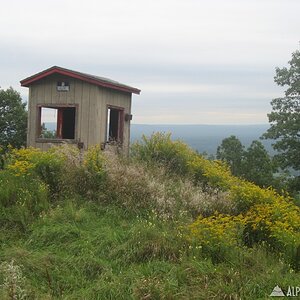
<point x="115" y="124"/>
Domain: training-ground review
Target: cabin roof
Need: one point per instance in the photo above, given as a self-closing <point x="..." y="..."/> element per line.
<point x="100" y="81"/>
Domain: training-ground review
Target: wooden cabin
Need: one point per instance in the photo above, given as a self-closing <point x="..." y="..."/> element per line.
<point x="74" y="107"/>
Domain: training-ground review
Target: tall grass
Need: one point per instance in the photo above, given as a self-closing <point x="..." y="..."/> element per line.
<point x="161" y="224"/>
<point x="137" y="187"/>
<point x="80" y="250"/>
<point x="22" y="199"/>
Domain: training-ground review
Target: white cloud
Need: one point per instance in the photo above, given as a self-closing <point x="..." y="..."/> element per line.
<point x="216" y="49"/>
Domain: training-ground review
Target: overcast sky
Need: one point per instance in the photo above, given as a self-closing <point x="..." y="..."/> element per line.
<point x="196" y="61"/>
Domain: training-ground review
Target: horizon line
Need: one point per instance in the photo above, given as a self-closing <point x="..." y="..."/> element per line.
<point x="198" y="124"/>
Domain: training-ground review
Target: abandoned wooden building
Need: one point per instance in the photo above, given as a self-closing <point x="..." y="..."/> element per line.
<point x="74" y="107"/>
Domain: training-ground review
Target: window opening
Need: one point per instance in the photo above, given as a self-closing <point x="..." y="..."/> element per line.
<point x="114" y="125"/>
<point x="57" y="122"/>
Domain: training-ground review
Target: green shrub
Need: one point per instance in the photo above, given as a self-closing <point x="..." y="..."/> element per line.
<point x="32" y="179"/>
<point x="160" y="149"/>
<point x="80" y="173"/>
<point x="267" y="216"/>
<point x="64" y="169"/>
<point x="45" y="165"/>
<point x="48" y="168"/>
<point x="93" y="173"/>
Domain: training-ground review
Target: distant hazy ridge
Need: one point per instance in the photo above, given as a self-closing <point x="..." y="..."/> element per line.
<point x="205" y="137"/>
<point x="201" y="137"/>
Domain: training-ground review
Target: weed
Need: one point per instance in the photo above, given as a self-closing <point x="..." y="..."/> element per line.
<point x="13" y="282"/>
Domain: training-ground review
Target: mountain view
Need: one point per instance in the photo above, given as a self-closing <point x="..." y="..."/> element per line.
<point x="149" y="150"/>
<point x="203" y="138"/>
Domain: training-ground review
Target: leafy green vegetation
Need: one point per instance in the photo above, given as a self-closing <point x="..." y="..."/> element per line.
<point x="255" y="165"/>
<point x="232" y="151"/>
<point x="285" y="119"/>
<point x="162" y="224"/>
<point x="13" y="119"/>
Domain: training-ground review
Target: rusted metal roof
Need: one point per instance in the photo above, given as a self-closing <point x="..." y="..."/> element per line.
<point x="100" y="81"/>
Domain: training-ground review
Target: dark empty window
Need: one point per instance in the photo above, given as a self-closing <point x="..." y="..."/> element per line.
<point x="57" y="122"/>
<point x="68" y="122"/>
<point x="115" y="126"/>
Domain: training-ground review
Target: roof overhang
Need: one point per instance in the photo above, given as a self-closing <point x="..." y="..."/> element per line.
<point x="81" y="76"/>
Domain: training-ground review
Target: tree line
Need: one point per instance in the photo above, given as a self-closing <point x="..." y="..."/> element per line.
<point x="253" y="164"/>
<point x="256" y="165"/>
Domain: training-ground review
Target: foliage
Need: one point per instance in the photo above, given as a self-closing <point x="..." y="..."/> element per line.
<point x="217" y="235"/>
<point x="231" y="151"/>
<point x="257" y="165"/>
<point x="285" y="116"/>
<point x="161" y="149"/>
<point x="274" y="224"/>
<point x="253" y="164"/>
<point x="13" y="119"/>
<point x="132" y="228"/>
<point x="63" y="169"/>
<point x="90" y="176"/>
<point x="94" y="162"/>
<point x="277" y="224"/>
<point x="46" y="133"/>
<point x="32" y="179"/>
<point x="244" y="195"/>
<point x="47" y="166"/>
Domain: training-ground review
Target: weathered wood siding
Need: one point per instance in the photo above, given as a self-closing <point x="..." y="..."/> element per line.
<point x="91" y="115"/>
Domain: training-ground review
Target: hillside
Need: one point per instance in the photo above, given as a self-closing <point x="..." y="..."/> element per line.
<point x="164" y="223"/>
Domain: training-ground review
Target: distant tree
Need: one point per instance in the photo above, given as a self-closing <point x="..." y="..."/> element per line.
<point x="206" y="155"/>
<point x="257" y="165"/>
<point x="13" y="119"/>
<point x="46" y="133"/>
<point x="231" y="151"/>
<point x="285" y="116"/>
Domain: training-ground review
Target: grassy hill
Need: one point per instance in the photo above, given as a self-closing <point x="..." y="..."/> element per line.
<point x="162" y="224"/>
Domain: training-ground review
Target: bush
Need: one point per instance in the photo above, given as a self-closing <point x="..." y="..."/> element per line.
<point x="278" y="225"/>
<point x="64" y="169"/>
<point x="160" y="149"/>
<point x="267" y="216"/>
<point x="32" y="179"/>
<point x="47" y="166"/>
<point x="217" y="235"/>
<point x="94" y="174"/>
